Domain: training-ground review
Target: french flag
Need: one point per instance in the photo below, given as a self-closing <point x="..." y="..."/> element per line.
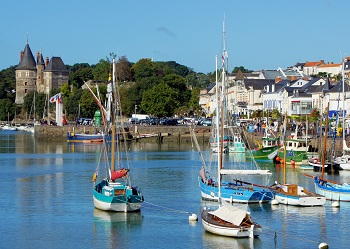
<point x="56" y="98"/>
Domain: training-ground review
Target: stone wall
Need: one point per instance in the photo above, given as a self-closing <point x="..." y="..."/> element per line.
<point x="156" y="133"/>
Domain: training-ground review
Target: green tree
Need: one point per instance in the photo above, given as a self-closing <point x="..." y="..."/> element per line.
<point x="78" y="77"/>
<point x="236" y="69"/>
<point x="71" y="104"/>
<point x="142" y="69"/>
<point x="123" y="68"/>
<point x="88" y="105"/>
<point x="102" y="70"/>
<point x="160" y="100"/>
<point x="7" y="110"/>
<point x="8" y="83"/>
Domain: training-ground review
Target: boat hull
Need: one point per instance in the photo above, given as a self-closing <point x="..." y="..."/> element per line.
<point x="231" y="231"/>
<point x="263" y="154"/>
<point x="117" y="198"/>
<point x="307" y="201"/>
<point x="235" y="193"/>
<point x="299" y="157"/>
<point x="83" y="138"/>
<point x="292" y="194"/>
<point x="332" y="192"/>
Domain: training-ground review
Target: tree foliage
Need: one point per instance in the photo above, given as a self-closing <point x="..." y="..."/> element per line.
<point x="138" y="83"/>
<point x="160" y="100"/>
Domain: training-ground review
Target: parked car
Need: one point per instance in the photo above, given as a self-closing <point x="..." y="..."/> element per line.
<point x="134" y="121"/>
<point x="145" y="121"/>
<point x="153" y="121"/>
<point x="206" y="122"/>
<point x="170" y="121"/>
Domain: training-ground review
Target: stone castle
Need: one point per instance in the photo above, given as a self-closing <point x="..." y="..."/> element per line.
<point x="37" y="74"/>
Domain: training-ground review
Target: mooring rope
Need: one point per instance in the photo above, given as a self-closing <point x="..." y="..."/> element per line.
<point x="167" y="208"/>
<point x="275" y="233"/>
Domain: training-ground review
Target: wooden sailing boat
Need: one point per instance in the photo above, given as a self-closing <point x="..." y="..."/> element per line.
<point x="228" y="220"/>
<point x="233" y="191"/>
<point x="114" y="192"/>
<point x="334" y="191"/>
<point x="293" y="194"/>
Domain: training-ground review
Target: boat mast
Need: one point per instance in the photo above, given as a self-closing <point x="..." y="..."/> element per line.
<point x="325" y="142"/>
<point x="343" y="114"/>
<point x="218" y="143"/>
<point x="284" y="149"/>
<point x="113" y="119"/>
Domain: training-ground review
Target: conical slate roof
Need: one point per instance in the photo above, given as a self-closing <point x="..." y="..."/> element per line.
<point x="40" y="59"/>
<point x="27" y="62"/>
<point x="56" y="65"/>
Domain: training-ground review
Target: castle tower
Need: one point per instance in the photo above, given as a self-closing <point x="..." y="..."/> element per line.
<point x="40" y="66"/>
<point x="26" y="74"/>
<point x="55" y="74"/>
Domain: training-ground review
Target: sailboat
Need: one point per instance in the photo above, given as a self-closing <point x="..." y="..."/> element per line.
<point x="227" y="220"/>
<point x="114" y="192"/>
<point x="293" y="194"/>
<point x="230" y="221"/>
<point x="344" y="159"/>
<point x="233" y="190"/>
<point x="8" y="126"/>
<point x="333" y="191"/>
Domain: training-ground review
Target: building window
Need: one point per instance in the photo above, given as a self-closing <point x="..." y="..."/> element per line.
<point x="26" y="83"/>
<point x="25" y="91"/>
<point x="27" y="73"/>
<point x="19" y="74"/>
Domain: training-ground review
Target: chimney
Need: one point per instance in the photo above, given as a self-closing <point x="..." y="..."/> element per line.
<point x="46" y="61"/>
<point x="322" y="61"/>
<point x="21" y="55"/>
<point x="278" y="79"/>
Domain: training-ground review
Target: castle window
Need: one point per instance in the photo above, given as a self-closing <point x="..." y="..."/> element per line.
<point x="26" y="83"/>
<point x="25" y="91"/>
<point x="19" y="74"/>
<point x="27" y="73"/>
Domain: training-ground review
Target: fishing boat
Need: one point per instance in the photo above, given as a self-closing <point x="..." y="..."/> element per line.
<point x="114" y="192"/>
<point x="232" y="141"/>
<point x="293" y="194"/>
<point x="83" y="137"/>
<point x="295" y="149"/>
<point x="230" y="189"/>
<point x="268" y="150"/>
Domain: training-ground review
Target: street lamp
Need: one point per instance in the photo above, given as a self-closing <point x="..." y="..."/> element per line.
<point x="135" y="110"/>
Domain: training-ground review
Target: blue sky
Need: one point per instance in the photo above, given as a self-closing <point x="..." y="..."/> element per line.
<point x="260" y="34"/>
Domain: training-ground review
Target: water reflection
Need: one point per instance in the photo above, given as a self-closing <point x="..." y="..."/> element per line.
<point x="114" y="227"/>
<point x="215" y="241"/>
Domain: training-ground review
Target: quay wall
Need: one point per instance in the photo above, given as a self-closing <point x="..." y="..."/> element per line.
<point x="160" y="133"/>
<point x="163" y="134"/>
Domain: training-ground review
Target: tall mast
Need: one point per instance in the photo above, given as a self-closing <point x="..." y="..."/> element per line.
<point x="113" y="119"/>
<point x="217" y="127"/>
<point x="343" y="114"/>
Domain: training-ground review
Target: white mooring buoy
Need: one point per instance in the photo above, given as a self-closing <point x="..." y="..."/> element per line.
<point x="193" y="217"/>
<point x="335" y="204"/>
<point x="323" y="246"/>
<point x="274" y="202"/>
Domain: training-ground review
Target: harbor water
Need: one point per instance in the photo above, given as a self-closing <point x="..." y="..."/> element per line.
<point x="46" y="201"/>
